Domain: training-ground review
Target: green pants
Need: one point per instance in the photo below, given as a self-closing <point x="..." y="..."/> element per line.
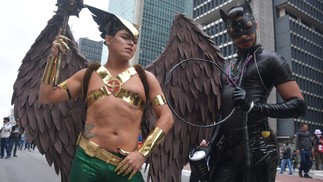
<point x="92" y="169"/>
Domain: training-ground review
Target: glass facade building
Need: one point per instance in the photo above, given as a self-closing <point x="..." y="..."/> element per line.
<point x="292" y="28"/>
<point x="156" y="18"/>
<point x="91" y="49"/>
<point x="123" y="8"/>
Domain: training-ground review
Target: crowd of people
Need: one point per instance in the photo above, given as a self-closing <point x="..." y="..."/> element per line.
<point x="13" y="138"/>
<point x="308" y="151"/>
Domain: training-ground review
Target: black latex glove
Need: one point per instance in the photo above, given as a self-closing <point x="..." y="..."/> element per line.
<point x="239" y="99"/>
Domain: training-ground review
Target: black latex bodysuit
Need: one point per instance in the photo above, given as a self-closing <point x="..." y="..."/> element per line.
<point x="230" y="163"/>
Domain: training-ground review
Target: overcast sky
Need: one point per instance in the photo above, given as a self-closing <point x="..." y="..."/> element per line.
<point x="21" y="23"/>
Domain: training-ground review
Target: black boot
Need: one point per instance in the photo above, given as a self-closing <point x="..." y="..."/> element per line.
<point x="300" y="174"/>
<point x="307" y="176"/>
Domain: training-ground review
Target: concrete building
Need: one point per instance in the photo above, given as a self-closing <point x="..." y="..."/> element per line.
<point x="299" y="38"/>
<point x="291" y="28"/>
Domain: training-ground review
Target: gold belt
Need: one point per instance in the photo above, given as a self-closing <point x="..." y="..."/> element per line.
<point x="94" y="150"/>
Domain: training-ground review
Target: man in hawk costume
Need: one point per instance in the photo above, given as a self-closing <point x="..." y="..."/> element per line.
<point x="115" y="94"/>
<point x="193" y="91"/>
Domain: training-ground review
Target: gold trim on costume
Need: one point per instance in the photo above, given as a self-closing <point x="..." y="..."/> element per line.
<point x="122" y="77"/>
<point x="94" y="150"/>
<point x="131" y="98"/>
<point x="159" y="100"/>
<point x="265" y="133"/>
<point x="152" y="141"/>
<point x="113" y="85"/>
<point x="49" y="72"/>
<point x="97" y="94"/>
<point x="63" y="85"/>
<point x="134" y="28"/>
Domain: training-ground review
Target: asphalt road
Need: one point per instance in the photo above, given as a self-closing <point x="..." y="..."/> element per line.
<point x="31" y="166"/>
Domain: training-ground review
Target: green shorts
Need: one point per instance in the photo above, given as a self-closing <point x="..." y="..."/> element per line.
<point x="92" y="169"/>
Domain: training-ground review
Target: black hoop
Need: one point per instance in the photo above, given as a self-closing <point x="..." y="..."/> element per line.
<point x="168" y="76"/>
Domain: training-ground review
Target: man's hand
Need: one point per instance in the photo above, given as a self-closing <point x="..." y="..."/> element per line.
<point x="60" y="43"/>
<point x="239" y="99"/>
<point x="131" y="164"/>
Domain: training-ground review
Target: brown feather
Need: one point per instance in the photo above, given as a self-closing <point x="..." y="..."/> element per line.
<point x="193" y="91"/>
<point x="54" y="128"/>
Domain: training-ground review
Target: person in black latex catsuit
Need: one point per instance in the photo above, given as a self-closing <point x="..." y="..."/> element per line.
<point x="249" y="150"/>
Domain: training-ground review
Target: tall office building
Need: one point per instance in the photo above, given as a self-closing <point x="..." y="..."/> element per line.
<point x="130" y="10"/>
<point x="91" y="49"/>
<point x="289" y="27"/>
<point x="299" y="38"/>
<point x="155" y="17"/>
<point x="158" y="16"/>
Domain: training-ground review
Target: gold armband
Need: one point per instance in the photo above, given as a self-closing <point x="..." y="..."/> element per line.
<point x="159" y="100"/>
<point x="49" y="73"/>
<point x="64" y="86"/>
<point x="152" y="141"/>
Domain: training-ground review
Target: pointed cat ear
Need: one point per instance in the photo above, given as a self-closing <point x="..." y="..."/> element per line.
<point x="224" y="16"/>
<point x="247" y="8"/>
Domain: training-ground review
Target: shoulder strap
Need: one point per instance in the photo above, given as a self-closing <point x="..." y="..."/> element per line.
<point x="142" y="75"/>
<point x="88" y="73"/>
<point x="94" y="66"/>
<point x="143" y="78"/>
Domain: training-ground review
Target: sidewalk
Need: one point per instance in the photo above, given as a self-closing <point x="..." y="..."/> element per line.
<point x="316" y="174"/>
<point x="31" y="166"/>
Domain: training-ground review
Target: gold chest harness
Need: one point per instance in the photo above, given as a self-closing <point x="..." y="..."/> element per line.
<point x="113" y="85"/>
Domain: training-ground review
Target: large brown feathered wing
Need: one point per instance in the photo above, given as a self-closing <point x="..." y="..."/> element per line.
<point x="193" y="90"/>
<point x="54" y="128"/>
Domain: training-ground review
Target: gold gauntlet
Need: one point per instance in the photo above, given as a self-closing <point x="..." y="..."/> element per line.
<point x="50" y="70"/>
<point x="152" y="141"/>
<point x="159" y="100"/>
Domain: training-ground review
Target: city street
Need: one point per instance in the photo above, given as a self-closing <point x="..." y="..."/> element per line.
<point x="31" y="166"/>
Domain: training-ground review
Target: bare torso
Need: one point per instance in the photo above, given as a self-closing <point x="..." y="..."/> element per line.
<point x="110" y="121"/>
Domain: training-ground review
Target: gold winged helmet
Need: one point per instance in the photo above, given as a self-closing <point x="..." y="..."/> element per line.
<point x="53" y="128"/>
<point x="192" y="90"/>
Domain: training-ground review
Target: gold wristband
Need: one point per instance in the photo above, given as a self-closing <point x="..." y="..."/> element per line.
<point x="159" y="100"/>
<point x="152" y="141"/>
<point x="49" y="72"/>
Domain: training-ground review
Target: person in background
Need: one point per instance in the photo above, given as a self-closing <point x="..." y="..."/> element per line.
<point x="115" y="96"/>
<point x="14" y="138"/>
<point x="304" y="148"/>
<point x="5" y="134"/>
<point x="318" y="149"/>
<point x="294" y="160"/>
<point x="286" y="159"/>
<point x="22" y="141"/>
